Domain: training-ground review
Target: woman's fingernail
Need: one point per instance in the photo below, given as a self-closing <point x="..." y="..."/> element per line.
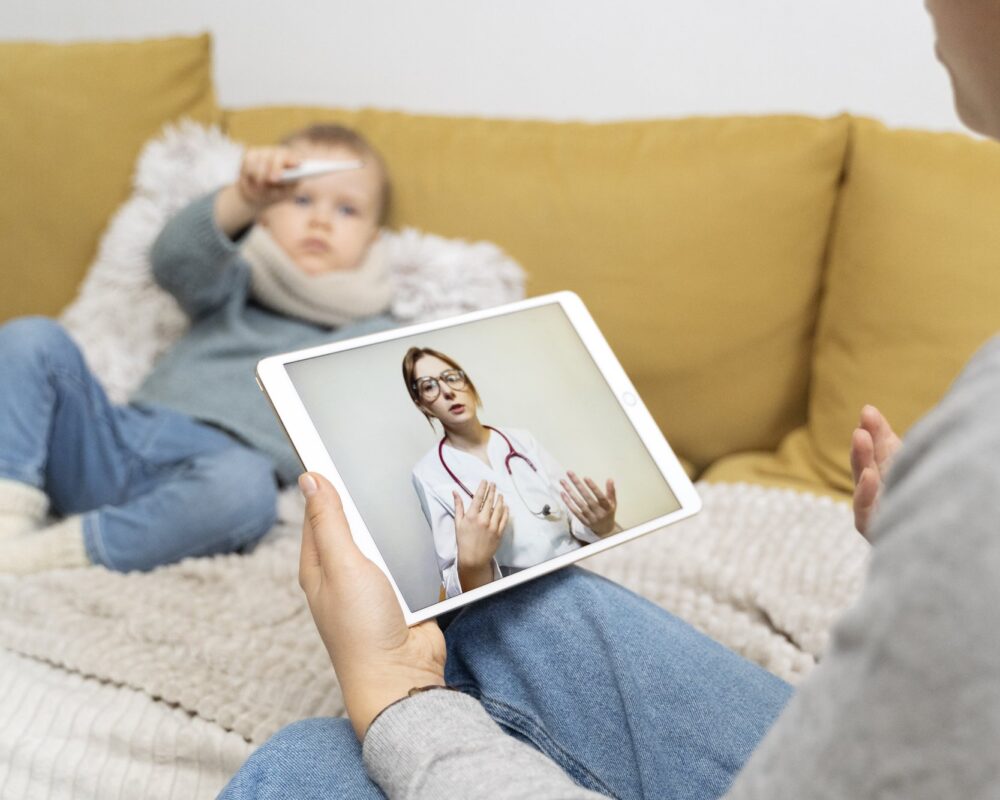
<point x="307" y="484"/>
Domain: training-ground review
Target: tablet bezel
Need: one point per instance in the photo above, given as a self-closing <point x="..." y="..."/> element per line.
<point x="274" y="380"/>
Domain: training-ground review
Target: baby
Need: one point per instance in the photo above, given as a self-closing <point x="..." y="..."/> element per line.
<point x="192" y="464"/>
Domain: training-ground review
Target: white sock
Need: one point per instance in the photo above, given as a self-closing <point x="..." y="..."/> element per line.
<point x="22" y="508"/>
<point x="55" y="547"/>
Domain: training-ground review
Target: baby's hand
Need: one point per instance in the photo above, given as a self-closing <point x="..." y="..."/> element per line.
<point x="259" y="183"/>
<point x="873" y="446"/>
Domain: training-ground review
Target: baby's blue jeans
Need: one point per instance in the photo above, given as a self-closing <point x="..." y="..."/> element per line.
<point x="152" y="486"/>
<point x="629" y="700"/>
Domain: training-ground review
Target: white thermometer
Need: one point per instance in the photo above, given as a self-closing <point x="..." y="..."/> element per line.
<point x="314" y="167"/>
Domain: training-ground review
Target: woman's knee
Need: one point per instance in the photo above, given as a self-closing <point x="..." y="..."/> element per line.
<point x="553" y="613"/>
<point x="315" y="735"/>
<point x="559" y="618"/>
<point x="318" y="757"/>
<point x="539" y="602"/>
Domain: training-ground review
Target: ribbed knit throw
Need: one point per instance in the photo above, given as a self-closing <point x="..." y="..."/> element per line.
<point x="331" y="299"/>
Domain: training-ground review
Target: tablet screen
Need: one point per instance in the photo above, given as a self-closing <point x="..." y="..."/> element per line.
<point x="415" y="424"/>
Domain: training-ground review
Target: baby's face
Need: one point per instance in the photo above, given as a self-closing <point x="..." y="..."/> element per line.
<point x="330" y="221"/>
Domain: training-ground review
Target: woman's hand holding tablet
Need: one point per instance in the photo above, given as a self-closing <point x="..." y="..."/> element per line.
<point x="378" y="659"/>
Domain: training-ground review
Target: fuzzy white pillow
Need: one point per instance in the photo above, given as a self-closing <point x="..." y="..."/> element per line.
<point x="123" y="321"/>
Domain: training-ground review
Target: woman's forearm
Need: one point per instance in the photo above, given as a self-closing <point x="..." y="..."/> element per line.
<point x="443" y="744"/>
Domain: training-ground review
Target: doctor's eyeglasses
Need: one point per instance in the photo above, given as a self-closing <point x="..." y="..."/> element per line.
<point x="429" y="388"/>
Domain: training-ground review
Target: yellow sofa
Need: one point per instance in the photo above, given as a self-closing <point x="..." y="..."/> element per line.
<point x="759" y="277"/>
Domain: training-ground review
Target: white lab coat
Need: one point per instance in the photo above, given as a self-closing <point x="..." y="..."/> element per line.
<point x="527" y="539"/>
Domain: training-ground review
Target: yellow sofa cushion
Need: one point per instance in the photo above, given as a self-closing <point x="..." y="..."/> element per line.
<point x="696" y="243"/>
<point x="76" y="117"/>
<point x="912" y="290"/>
<point x="792" y="467"/>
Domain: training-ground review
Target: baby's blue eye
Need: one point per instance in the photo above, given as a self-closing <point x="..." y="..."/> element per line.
<point x="348" y="211"/>
<point x="301" y="200"/>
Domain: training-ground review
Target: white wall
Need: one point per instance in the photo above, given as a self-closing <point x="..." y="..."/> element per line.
<point x="558" y="59"/>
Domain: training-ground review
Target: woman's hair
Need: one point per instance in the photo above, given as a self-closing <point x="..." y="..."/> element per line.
<point x="413" y="355"/>
<point x="326" y="134"/>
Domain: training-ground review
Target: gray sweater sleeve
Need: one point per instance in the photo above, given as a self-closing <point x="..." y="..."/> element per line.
<point x="194" y="260"/>
<point x="441" y="744"/>
<point x="906" y="703"/>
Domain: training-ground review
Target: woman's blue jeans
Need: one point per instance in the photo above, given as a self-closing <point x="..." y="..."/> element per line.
<point x="629" y="700"/>
<point x="152" y="486"/>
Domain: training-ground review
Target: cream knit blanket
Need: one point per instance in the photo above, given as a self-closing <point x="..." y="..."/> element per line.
<point x="230" y="639"/>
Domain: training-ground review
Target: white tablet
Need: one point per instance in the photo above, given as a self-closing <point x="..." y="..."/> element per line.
<point x="527" y="398"/>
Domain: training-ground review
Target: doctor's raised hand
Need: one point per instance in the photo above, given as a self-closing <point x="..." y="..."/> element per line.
<point x="377" y="658"/>
<point x="479" y="530"/>
<point x="589" y="504"/>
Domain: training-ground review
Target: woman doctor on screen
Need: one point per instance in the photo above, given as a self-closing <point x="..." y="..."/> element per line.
<point x="495" y="500"/>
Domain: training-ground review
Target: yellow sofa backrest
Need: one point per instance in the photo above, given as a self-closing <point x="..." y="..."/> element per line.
<point x="75" y="118"/>
<point x="697" y="243"/>
<point x="912" y="284"/>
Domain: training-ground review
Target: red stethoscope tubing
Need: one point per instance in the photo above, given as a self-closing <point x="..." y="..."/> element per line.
<point x="511" y="453"/>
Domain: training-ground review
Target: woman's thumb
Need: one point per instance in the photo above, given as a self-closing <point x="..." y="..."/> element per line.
<point x="459" y="507"/>
<point x="324" y="514"/>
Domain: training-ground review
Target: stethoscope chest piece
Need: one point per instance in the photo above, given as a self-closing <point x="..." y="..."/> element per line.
<point x="531" y="486"/>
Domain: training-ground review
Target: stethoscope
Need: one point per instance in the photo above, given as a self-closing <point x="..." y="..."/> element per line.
<point x="546" y="512"/>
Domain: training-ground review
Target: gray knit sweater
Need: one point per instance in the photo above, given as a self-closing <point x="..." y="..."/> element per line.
<point x="209" y="373"/>
<point x="906" y="703"/>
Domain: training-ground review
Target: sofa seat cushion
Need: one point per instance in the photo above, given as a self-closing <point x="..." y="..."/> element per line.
<point x="791" y="467"/>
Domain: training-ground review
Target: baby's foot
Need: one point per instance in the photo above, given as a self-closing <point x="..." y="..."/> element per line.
<point x="873" y="446"/>
<point x="22" y="508"/>
<point x="58" y="546"/>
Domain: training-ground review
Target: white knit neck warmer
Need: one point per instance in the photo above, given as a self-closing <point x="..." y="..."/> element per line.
<point x="331" y="299"/>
